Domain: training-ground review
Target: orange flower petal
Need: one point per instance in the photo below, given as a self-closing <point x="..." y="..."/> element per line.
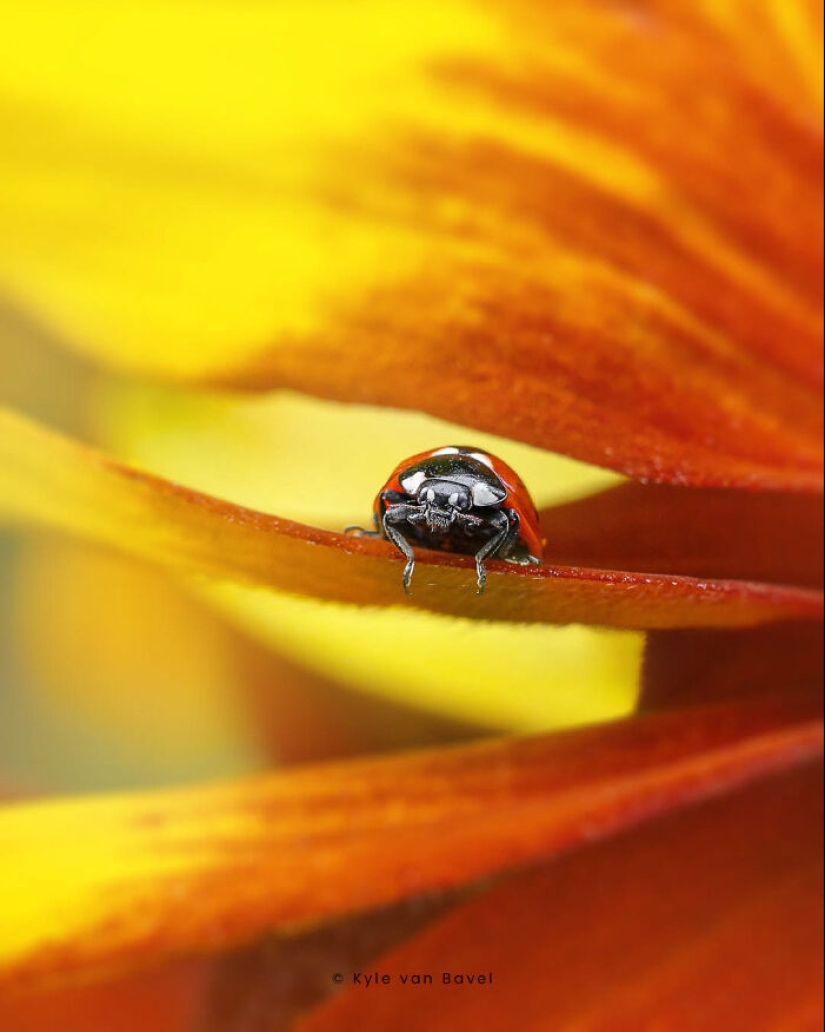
<point x="709" y="920"/>
<point x="49" y="479"/>
<point x="662" y="320"/>
<point x="643" y="302"/>
<point x="594" y="227"/>
<point x="701" y="532"/>
<point x="696" y="666"/>
<point x="168" y="999"/>
<point x="282" y="976"/>
<point x="91" y="884"/>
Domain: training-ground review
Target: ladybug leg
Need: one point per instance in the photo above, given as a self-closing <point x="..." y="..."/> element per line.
<point x="499" y="544"/>
<point x="521" y="557"/>
<point x="357" y="531"/>
<point x="400" y="513"/>
<point x="510" y="538"/>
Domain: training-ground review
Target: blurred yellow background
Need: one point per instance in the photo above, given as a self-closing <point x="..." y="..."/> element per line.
<point x="171" y="196"/>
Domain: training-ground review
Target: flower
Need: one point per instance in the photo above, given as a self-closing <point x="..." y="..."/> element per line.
<point x="586" y="229"/>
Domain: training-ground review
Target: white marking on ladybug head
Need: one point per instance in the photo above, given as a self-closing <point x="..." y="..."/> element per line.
<point x="481" y="457"/>
<point x="447" y="451"/>
<point x="412" y="482"/>
<point x="453" y="499"/>
<point x="485" y="494"/>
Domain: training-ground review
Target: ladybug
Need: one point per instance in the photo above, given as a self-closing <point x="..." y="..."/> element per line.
<point x="457" y="499"/>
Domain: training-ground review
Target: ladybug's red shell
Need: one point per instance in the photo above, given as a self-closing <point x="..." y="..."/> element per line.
<point x="490" y="471"/>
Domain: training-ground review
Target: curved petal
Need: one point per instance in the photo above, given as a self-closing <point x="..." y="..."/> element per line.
<point x="750" y="535"/>
<point x="141" y="877"/>
<point x="168" y="999"/>
<point x="554" y="189"/>
<point x="710" y="920"/>
<point x="48" y="479"/>
<point x="231" y="445"/>
<point x="283" y="975"/>
<point x="695" y="666"/>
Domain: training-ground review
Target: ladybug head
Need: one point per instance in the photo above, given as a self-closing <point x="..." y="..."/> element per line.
<point x="442" y="501"/>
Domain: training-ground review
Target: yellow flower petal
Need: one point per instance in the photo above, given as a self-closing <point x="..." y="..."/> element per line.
<point x="445" y="207"/>
<point x="317" y="462"/>
<point x="508" y="677"/>
<point x="182" y="148"/>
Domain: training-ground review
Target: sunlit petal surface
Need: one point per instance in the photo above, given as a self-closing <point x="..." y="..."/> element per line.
<point x="604" y="221"/>
<point x="310" y="460"/>
<point x="140" y="877"/>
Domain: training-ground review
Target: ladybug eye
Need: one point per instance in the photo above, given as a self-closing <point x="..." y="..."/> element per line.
<point x="460" y="500"/>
